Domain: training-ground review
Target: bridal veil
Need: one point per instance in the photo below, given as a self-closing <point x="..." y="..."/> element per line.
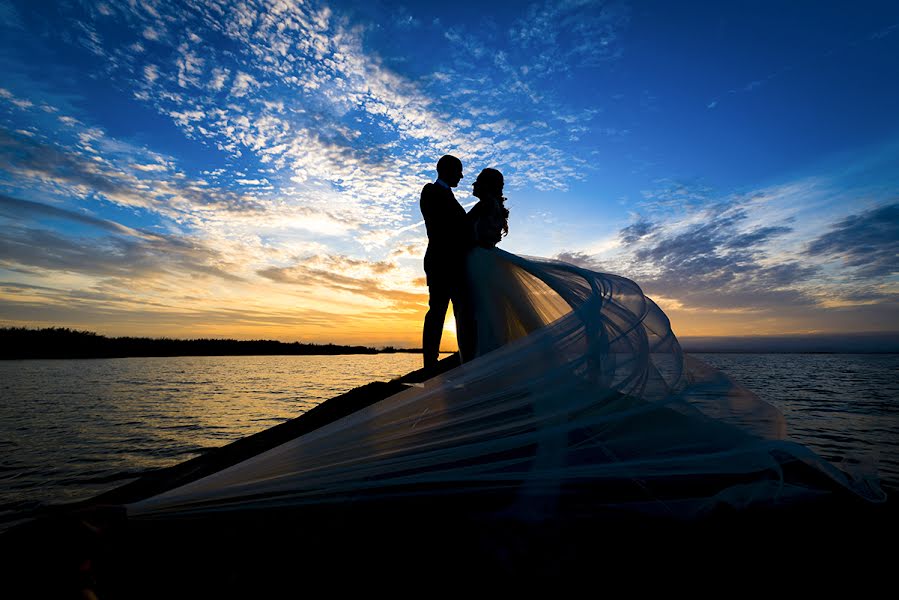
<point x="581" y="400"/>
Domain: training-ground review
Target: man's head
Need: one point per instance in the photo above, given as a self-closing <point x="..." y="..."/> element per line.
<point x="449" y="169"/>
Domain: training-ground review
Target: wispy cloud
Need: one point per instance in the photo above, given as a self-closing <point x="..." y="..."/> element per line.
<point x="637" y="231"/>
<point x="754" y="254"/>
<point x="589" y="28"/>
<point x="124" y="174"/>
<point x="362" y="281"/>
<point x="867" y="242"/>
<point x="127" y="254"/>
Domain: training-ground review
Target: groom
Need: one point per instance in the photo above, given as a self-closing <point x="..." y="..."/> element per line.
<point x="449" y="240"/>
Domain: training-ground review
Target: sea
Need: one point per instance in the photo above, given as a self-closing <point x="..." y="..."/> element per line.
<point x="71" y="429"/>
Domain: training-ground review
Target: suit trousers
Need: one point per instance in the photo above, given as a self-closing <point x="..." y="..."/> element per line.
<point x="443" y="290"/>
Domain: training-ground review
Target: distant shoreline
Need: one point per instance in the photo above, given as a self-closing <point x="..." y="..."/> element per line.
<point x="20" y="343"/>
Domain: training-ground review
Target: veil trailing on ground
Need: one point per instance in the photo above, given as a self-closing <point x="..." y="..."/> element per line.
<point x="581" y="399"/>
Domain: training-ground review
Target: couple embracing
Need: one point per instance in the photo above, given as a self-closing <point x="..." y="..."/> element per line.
<point x="457" y="261"/>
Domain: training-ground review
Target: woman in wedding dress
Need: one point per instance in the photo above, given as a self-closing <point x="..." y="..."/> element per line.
<point x="578" y="400"/>
<point x="492" y="291"/>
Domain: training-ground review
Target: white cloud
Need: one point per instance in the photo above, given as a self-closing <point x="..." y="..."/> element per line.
<point x="151" y="33"/>
<point x="219" y="77"/>
<point x="151" y="168"/>
<point x="190" y="66"/>
<point x="243" y="83"/>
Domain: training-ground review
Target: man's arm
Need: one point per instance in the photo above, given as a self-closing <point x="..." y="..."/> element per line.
<point x="437" y="214"/>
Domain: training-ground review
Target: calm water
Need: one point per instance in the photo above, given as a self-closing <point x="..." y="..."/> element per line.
<point x="842" y="406"/>
<point x="71" y="429"/>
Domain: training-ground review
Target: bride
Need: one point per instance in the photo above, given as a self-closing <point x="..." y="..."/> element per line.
<point x="578" y="400"/>
<point x="492" y="293"/>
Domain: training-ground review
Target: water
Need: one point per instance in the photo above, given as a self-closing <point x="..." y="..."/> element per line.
<point x="842" y="406"/>
<point x="70" y="429"/>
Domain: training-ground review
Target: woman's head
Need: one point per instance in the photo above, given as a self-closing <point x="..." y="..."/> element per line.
<point x="488" y="184"/>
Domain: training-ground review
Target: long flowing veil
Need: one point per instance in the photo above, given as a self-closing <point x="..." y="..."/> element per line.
<point x="588" y="404"/>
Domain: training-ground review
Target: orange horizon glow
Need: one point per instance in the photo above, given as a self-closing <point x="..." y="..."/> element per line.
<point x="403" y="329"/>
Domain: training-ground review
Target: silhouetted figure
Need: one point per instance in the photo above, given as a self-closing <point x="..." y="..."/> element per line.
<point x="500" y="313"/>
<point x="449" y="240"/>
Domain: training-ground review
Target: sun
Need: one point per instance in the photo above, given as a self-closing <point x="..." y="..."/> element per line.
<point x="450" y="325"/>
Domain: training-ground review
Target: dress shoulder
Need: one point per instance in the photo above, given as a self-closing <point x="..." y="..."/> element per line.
<point x="488" y="221"/>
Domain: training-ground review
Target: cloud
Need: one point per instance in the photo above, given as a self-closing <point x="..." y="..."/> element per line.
<point x="699" y="251"/>
<point x="127" y="253"/>
<point x="636" y="231"/>
<point x="868" y="242"/>
<point x="153" y="167"/>
<point x="364" y="279"/>
<point x="151" y="33"/>
<point x="579" y="259"/>
<point x="219" y="78"/>
<point x="714" y="262"/>
<point x="677" y="195"/>
<point x="414" y="249"/>
<point x="115" y="313"/>
<point x="570" y="33"/>
<point x="405" y="20"/>
<point x="9" y="17"/>
<point x="25" y="156"/>
<point x="190" y="67"/>
<point x="25" y="210"/>
<point x="111" y="170"/>
<point x="756" y="237"/>
<point x="243" y="83"/>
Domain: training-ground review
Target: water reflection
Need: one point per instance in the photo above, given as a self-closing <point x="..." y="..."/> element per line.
<point x="70" y="429"/>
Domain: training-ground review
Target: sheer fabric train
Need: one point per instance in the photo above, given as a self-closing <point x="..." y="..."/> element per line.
<point x="580" y="398"/>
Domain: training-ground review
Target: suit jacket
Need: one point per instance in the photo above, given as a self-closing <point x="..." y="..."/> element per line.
<point x="449" y="233"/>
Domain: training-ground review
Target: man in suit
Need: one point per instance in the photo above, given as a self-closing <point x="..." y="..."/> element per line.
<point x="449" y="240"/>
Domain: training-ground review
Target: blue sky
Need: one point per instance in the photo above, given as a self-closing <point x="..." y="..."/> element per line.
<point x="252" y="169"/>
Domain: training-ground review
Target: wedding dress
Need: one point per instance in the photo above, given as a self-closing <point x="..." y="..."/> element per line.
<point x="579" y="400"/>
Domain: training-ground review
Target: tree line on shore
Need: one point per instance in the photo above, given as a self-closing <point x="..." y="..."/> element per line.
<point x="62" y="342"/>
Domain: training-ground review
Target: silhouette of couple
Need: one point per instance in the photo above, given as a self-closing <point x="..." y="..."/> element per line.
<point x="454" y="258"/>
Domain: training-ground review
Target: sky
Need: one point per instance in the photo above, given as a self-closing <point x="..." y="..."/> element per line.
<point x="252" y="169"/>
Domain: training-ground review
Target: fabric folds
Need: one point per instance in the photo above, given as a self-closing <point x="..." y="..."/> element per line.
<point x="580" y="399"/>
